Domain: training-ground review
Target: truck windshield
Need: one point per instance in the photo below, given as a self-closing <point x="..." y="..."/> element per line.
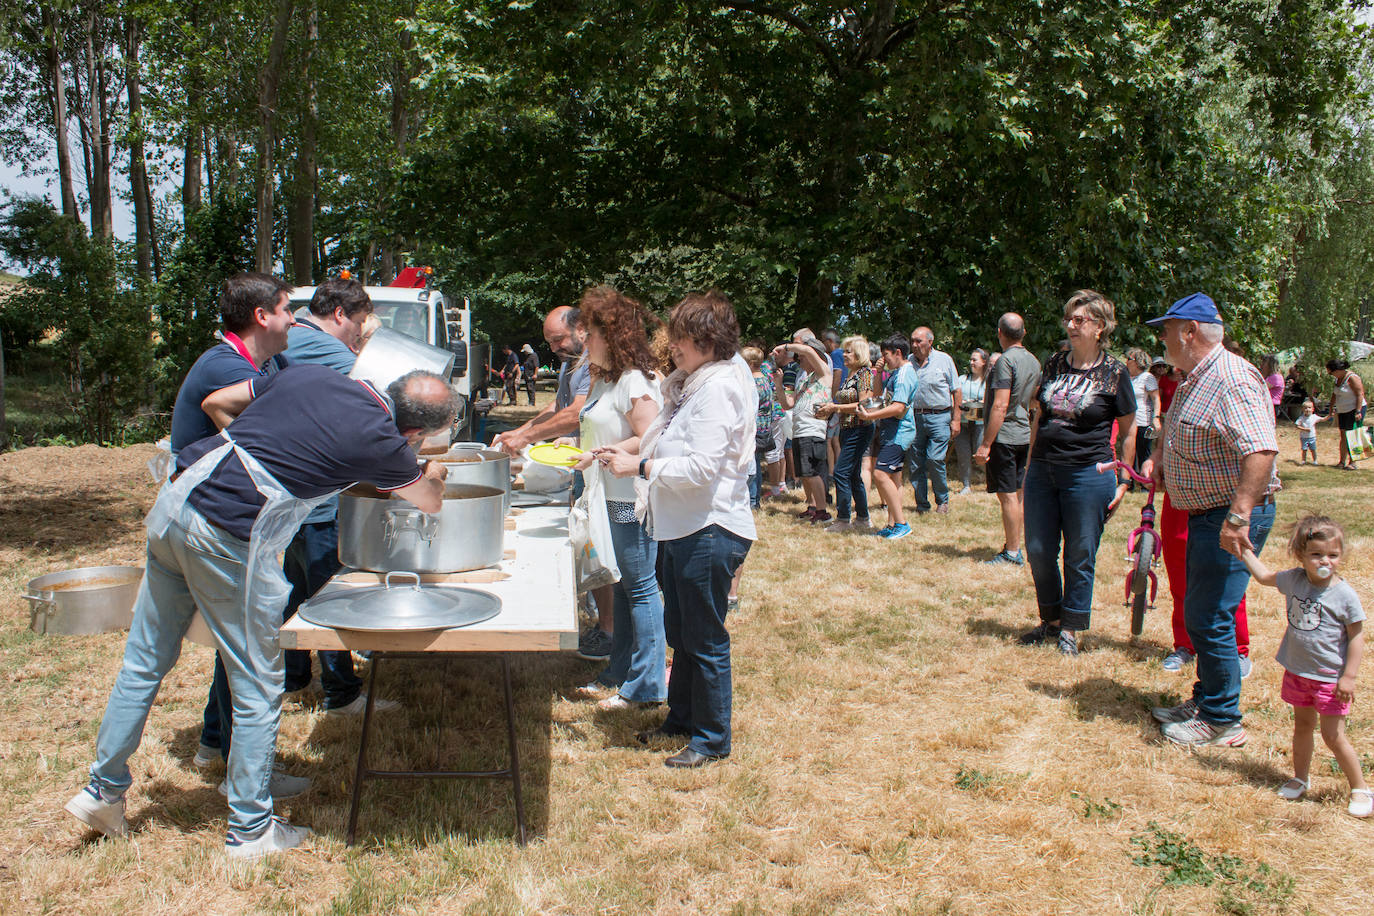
<point x="407" y="318"/>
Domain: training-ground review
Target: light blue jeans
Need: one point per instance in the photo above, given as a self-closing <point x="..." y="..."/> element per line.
<point x="926" y="458"/>
<point x="638" y="647"/>
<point x="196" y="565"/>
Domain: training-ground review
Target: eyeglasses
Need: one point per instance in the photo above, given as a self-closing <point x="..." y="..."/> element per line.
<point x="1077" y="321"/>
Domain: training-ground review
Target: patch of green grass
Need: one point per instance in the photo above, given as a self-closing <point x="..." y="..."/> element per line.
<point x="968" y="780"/>
<point x="1102" y="810"/>
<point x="1243" y="891"/>
<point x="1366" y="764"/>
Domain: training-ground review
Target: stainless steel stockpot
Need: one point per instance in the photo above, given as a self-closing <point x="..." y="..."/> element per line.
<point x="384" y="534"/>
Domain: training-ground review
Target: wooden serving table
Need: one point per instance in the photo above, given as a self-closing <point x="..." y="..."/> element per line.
<point x="538" y="614"/>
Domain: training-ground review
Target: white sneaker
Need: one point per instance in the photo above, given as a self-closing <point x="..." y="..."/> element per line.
<point x="206" y="756"/>
<point x="839" y="526"/>
<point x="966" y="491"/>
<point x="1361" y="803"/>
<point x="282" y="785"/>
<point x="356" y="707"/>
<point x="106" y="816"/>
<point x="278" y="837"/>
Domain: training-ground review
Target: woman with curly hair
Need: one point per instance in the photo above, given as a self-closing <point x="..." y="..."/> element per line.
<point x="624" y="399"/>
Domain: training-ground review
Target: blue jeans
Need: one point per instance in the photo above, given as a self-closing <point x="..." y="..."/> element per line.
<point x="756" y="479"/>
<point x="1065" y="505"/>
<point x="196" y="565"/>
<point x="1216" y="583"/>
<point x="311" y="560"/>
<point x="638" y="652"/>
<point x="926" y="458"/>
<point x="696" y="572"/>
<point x="849" y="481"/>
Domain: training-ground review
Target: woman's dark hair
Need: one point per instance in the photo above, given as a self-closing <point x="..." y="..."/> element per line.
<point x="1336" y="365"/>
<point x="708" y="320"/>
<point x="898" y="343"/>
<point x="621" y="322"/>
<point x="244" y="294"/>
<point x="338" y="293"/>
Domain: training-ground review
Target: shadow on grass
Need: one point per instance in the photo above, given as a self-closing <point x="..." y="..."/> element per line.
<point x="1102" y="696"/>
<point x="980" y="554"/>
<point x="453" y="718"/>
<point x="1256" y="772"/>
<point x="73" y="520"/>
<point x="1136" y="649"/>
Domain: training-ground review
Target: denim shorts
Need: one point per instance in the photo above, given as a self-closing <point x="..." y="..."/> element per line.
<point x="1308" y="444"/>
<point x="891" y="458"/>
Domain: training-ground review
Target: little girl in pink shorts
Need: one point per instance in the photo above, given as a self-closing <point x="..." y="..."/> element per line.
<point x="1320" y="652"/>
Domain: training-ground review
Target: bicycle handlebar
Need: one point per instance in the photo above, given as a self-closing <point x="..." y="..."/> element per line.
<point x="1106" y="466"/>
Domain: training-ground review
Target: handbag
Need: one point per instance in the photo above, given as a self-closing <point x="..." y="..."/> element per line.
<point x="1360" y="443"/>
<point x="589" y="531"/>
<point x="763" y="439"/>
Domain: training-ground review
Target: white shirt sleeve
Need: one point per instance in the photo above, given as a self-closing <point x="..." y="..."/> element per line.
<point x="714" y="422"/>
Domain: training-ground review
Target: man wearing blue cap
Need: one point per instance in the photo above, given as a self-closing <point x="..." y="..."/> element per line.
<point x="1216" y="460"/>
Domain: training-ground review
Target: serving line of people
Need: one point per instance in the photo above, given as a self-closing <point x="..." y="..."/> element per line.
<point x="235" y="501"/>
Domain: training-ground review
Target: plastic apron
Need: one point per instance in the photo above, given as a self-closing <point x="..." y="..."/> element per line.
<point x="264" y="583"/>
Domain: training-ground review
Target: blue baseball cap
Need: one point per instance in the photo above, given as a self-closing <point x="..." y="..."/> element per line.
<point x="1197" y="307"/>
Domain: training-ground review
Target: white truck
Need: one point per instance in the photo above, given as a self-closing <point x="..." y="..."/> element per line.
<point x="410" y="305"/>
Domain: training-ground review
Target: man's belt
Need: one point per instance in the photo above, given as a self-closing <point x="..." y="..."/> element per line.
<point x="1268" y="500"/>
<point x="933" y="409"/>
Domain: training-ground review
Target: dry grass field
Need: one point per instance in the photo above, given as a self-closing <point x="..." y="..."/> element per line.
<point x="895" y="751"/>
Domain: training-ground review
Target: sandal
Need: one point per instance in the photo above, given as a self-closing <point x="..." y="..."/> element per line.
<point x="1361" y="803"/>
<point x="1293" y="789"/>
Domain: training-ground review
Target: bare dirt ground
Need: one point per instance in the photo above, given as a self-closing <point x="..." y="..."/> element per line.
<point x="894" y="750"/>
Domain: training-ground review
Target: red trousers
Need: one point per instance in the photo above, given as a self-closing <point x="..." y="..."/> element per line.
<point x="1173" y="533"/>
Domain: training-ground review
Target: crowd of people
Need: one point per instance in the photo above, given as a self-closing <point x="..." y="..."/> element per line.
<point x="687" y="431"/>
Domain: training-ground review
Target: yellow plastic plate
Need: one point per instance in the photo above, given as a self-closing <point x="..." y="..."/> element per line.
<point x="555" y="456"/>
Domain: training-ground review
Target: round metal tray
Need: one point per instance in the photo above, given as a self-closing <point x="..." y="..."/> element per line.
<point x="391" y="608"/>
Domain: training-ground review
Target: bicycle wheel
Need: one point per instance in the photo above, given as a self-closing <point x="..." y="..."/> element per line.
<point x="1140" y="580"/>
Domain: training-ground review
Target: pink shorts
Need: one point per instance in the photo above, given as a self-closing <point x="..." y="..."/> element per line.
<point x="1303" y="691"/>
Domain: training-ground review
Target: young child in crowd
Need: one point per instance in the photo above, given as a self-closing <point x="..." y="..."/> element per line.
<point x="1320" y="652"/>
<point x="1307" y="426"/>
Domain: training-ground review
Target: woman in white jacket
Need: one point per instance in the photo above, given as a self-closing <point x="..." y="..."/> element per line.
<point x="693" y="464"/>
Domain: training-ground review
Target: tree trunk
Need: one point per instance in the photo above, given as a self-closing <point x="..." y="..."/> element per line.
<point x="814" y="297"/>
<point x="367" y="263"/>
<point x="4" y="434"/>
<point x="302" y="221"/>
<point x="58" y="88"/>
<point x="192" y="143"/>
<point x="99" y="113"/>
<point x="268" y="81"/>
<point x="138" y="167"/>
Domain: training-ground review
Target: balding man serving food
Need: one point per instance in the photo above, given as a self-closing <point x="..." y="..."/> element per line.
<point x="214" y="534"/>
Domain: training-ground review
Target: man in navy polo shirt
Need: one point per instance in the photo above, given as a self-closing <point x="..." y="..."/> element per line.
<point x="257" y="323"/>
<point x="256" y="317"/>
<point x="214" y="534"/>
<point x="328" y="332"/>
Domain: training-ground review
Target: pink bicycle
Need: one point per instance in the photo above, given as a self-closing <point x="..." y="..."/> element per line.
<point x="1143" y="550"/>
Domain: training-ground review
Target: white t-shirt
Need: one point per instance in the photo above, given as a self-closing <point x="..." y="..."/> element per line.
<point x="1143" y="384"/>
<point x="1308" y="425"/>
<point x="811" y="392"/>
<point x="605" y="421"/>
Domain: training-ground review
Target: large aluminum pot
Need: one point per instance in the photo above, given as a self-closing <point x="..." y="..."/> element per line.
<point x="93" y="599"/>
<point x="481" y="466"/>
<point x="389" y="354"/>
<point x="383" y="534"/>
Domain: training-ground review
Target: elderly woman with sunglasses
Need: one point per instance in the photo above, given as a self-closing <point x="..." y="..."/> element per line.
<point x="1083" y="391"/>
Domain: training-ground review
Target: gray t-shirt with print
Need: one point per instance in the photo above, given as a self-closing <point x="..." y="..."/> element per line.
<point x="1018" y="372"/>
<point x="1314" y="645"/>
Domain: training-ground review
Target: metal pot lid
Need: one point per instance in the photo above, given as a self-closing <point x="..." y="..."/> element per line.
<point x="392" y="607"/>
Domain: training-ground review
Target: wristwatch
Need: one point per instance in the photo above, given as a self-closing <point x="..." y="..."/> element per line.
<point x="1237" y="520"/>
<point x="642" y="462"/>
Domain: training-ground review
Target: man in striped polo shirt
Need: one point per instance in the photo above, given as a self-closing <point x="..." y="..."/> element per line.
<point x="1216" y="460"/>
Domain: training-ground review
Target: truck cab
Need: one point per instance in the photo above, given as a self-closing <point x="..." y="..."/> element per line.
<point x="411" y="306"/>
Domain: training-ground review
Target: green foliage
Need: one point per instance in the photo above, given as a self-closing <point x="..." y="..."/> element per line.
<point x="1103" y="810"/>
<point x="970" y="780"/>
<point x="217" y="243"/>
<point x="102" y="329"/>
<point x="1244" y="890"/>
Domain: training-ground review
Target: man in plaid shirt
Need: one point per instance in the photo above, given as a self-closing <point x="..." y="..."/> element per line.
<point x="1216" y="460"/>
